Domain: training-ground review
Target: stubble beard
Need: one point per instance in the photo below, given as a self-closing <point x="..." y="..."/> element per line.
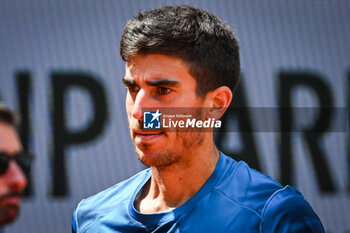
<point x="169" y="156"/>
<point x="8" y="214"/>
<point x="9" y="211"/>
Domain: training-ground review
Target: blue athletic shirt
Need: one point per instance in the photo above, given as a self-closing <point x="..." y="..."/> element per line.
<point x="235" y="198"/>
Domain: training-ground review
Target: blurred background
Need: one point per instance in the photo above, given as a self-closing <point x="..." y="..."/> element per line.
<point x="60" y="70"/>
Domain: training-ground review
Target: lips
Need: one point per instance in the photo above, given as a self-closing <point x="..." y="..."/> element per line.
<point x="143" y="136"/>
<point x="12" y="200"/>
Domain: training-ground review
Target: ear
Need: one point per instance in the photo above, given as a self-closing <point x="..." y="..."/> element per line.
<point x="218" y="101"/>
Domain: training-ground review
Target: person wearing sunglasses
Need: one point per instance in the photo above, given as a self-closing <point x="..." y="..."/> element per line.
<point x="14" y="163"/>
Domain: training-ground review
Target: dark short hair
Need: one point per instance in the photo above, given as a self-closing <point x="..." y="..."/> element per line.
<point x="202" y="40"/>
<point x="6" y="115"/>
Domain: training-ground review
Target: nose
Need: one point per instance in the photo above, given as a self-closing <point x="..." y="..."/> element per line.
<point x="15" y="177"/>
<point x="140" y="102"/>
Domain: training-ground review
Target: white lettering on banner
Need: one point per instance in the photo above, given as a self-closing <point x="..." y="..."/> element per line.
<point x="192" y="123"/>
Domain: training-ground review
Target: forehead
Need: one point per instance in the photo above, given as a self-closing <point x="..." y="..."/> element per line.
<point x="143" y="67"/>
<point x="9" y="141"/>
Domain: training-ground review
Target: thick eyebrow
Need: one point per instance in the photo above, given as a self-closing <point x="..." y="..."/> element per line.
<point x="162" y="82"/>
<point x="154" y="83"/>
<point x="128" y="82"/>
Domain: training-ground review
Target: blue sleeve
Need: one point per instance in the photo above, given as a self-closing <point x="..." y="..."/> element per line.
<point x="287" y="211"/>
<point x="74" y="224"/>
<point x="75" y="221"/>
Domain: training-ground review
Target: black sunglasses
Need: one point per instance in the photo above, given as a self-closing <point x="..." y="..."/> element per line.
<point x="23" y="160"/>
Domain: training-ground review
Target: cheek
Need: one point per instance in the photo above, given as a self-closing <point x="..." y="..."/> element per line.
<point x="2" y="187"/>
<point x="128" y="104"/>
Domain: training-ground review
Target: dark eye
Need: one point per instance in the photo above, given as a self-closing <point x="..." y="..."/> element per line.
<point x="163" y="90"/>
<point x="133" y="88"/>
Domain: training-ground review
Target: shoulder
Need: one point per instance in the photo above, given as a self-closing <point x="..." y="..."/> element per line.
<point x="245" y="186"/>
<point x="123" y="190"/>
<point x="288" y="211"/>
<point x="102" y="203"/>
<point x="276" y="206"/>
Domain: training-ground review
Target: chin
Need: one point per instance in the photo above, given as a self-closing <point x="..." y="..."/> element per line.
<point x="9" y="215"/>
<point x="144" y="158"/>
<point x="156" y="158"/>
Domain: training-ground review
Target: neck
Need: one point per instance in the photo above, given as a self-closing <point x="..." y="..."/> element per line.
<point x="171" y="186"/>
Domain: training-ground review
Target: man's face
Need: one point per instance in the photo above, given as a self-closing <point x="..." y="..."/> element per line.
<point x="13" y="181"/>
<point x="160" y="81"/>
